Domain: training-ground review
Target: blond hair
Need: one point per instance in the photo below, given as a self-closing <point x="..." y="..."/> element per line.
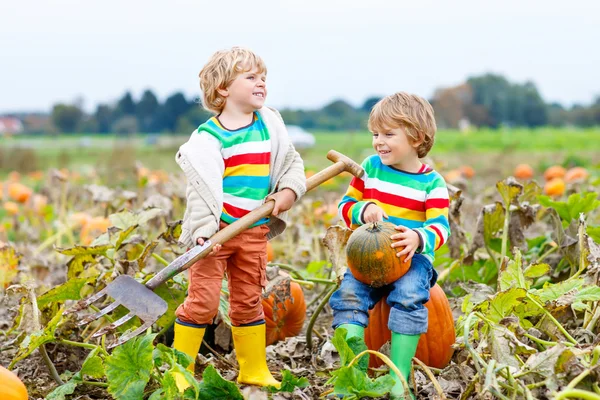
<point x="408" y="111"/>
<point x="222" y="68"/>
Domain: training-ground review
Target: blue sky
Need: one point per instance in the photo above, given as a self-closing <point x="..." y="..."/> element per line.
<point x="316" y="51"/>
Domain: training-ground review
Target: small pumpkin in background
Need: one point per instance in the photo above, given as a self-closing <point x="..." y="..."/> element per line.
<point x="14" y="176"/>
<point x="434" y="348"/>
<point x="523" y="172"/>
<point x="576" y="174"/>
<point x="285" y="309"/>
<point x="453" y="175"/>
<point x="11" y="387"/>
<point x="93" y="228"/>
<point x="555" y="171"/>
<point x="11" y="207"/>
<point x="371" y="257"/>
<point x="555" y="187"/>
<point x="19" y="192"/>
<point x="467" y="171"/>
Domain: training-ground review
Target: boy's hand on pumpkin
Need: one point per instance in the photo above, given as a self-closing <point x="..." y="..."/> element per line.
<point x="214" y="250"/>
<point x="374" y="213"/>
<point x="408" y="239"/>
<point x="284" y="200"/>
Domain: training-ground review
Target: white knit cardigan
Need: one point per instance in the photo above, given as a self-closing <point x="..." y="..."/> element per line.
<point x="201" y="160"/>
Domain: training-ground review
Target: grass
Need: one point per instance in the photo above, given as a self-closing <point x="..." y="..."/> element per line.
<point x="483" y="149"/>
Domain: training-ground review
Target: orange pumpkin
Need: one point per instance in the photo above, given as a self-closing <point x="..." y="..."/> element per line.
<point x="467" y="171"/>
<point x="555" y="187"/>
<point x="556" y="171"/>
<point x="576" y="174"/>
<point x="288" y="318"/>
<point x="453" y="175"/>
<point x="14" y="176"/>
<point x="523" y="171"/>
<point x="93" y="228"/>
<point x="19" y="192"/>
<point x="11" y="387"/>
<point x="11" y="207"/>
<point x="371" y="257"/>
<point x="435" y="346"/>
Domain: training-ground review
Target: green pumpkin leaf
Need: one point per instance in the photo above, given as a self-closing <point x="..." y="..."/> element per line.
<point x="70" y="290"/>
<point x="551" y="292"/>
<point x="82" y="256"/>
<point x="531" y="191"/>
<point x="509" y="190"/>
<point x="342" y="347"/>
<point x="38" y="338"/>
<point x="128" y="368"/>
<point x="214" y="387"/>
<point x="173" y="232"/>
<point x="576" y="204"/>
<point x="118" y="236"/>
<point x="9" y="261"/>
<point x="493" y="221"/>
<point x="536" y="270"/>
<point x="84" y="250"/>
<point x="63" y="390"/>
<point x="93" y="365"/>
<point x="124" y="220"/>
<point x="169" y="386"/>
<point x="289" y="382"/>
<point x="158" y="395"/>
<point x="164" y="354"/>
<point x="503" y="304"/>
<point x="594" y="233"/>
<point x="511" y="274"/>
<point x="500" y="346"/>
<point x="358" y="345"/>
<point x="356" y="384"/>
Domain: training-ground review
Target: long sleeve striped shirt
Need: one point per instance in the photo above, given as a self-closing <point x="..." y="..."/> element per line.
<point x="418" y="201"/>
<point x="246" y="155"/>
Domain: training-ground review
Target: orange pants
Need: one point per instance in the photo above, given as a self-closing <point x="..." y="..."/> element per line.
<point x="244" y="259"/>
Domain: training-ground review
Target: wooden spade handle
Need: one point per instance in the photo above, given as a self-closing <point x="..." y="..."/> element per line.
<point x="186" y="260"/>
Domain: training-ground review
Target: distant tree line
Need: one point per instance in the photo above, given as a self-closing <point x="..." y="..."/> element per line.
<point x="484" y="101"/>
<point x="126" y="116"/>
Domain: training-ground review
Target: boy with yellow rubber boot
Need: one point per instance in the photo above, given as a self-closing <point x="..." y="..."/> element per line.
<point x="232" y="163"/>
<point x="399" y="188"/>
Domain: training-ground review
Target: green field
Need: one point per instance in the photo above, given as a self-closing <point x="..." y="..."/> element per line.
<point x="486" y="150"/>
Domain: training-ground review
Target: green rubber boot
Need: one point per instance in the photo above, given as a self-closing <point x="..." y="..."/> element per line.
<point x="353" y="330"/>
<point x="403" y="350"/>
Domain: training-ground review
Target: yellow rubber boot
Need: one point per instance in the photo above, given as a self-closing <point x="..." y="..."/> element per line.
<point x="251" y="352"/>
<point x="187" y="340"/>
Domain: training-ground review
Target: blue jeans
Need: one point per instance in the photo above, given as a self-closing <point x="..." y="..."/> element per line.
<point x="406" y="296"/>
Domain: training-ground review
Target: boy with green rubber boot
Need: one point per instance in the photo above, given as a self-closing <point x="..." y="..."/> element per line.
<point x="397" y="187"/>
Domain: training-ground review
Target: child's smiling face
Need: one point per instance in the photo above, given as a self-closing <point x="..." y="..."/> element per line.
<point x="248" y="90"/>
<point x="395" y="149"/>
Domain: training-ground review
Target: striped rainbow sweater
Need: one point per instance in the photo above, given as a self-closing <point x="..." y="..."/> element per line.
<point x="246" y="154"/>
<point x="416" y="200"/>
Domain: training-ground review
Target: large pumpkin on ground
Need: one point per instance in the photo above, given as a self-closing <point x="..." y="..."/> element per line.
<point x="285" y="311"/>
<point x="371" y="257"/>
<point x="11" y="387"/>
<point x="435" y="346"/>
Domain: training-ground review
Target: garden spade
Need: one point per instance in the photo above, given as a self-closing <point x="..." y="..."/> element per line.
<point x="140" y="299"/>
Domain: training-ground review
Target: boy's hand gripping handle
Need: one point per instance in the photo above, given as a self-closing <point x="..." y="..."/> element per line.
<point x="183" y="262"/>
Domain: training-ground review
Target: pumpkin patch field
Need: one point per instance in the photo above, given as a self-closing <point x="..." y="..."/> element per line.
<point x="515" y="313"/>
